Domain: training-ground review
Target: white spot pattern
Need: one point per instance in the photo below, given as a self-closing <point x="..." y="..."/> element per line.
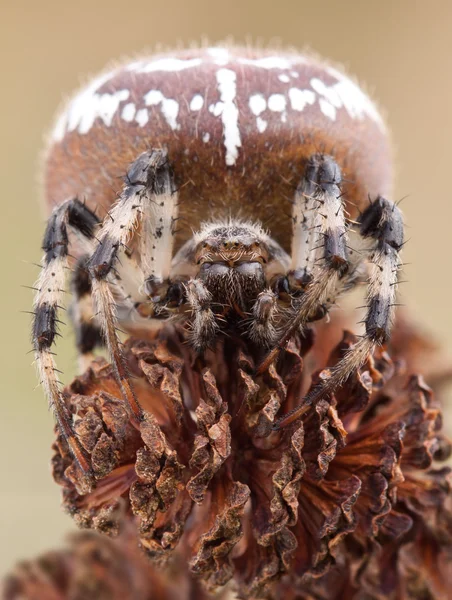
<point x="328" y="92"/>
<point x="299" y="98"/>
<point x="257" y="104"/>
<point x="261" y="125"/>
<point x="128" y="112"/>
<point x="170" y="107"/>
<point x="197" y="102"/>
<point x="347" y="94"/>
<point x="277" y="102"/>
<point x="142" y="117"/>
<point x="328" y="109"/>
<point x="90" y="105"/>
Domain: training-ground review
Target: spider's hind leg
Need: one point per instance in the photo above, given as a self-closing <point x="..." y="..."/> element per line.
<point x="73" y="215"/>
<point x="87" y="329"/>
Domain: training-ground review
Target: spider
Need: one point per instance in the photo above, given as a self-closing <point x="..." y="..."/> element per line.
<point x="209" y="143"/>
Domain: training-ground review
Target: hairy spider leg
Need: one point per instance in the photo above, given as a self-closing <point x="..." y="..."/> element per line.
<point x="49" y="297"/>
<point x="87" y="329"/>
<point x="382" y="221"/>
<point x="319" y="248"/>
<point x="149" y="197"/>
<point x="265" y="311"/>
<point x="204" y="323"/>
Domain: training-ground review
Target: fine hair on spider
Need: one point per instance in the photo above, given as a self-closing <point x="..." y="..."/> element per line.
<point x="249" y="141"/>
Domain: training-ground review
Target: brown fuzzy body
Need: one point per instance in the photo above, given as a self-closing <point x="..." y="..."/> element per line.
<point x="252" y="175"/>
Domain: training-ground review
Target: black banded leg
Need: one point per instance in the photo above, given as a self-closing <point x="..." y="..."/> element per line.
<point x="88" y="334"/>
<point x="48" y="299"/>
<point x="381" y="222"/>
<point x="149" y="198"/>
<point x="322" y="232"/>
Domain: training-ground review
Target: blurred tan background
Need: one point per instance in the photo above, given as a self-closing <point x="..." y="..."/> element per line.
<point x="402" y="49"/>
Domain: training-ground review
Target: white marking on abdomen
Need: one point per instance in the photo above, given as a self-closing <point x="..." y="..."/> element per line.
<point x="170" y="107"/>
<point x="327" y="109"/>
<point x="197" y="102"/>
<point x="89" y="106"/>
<point x="277" y="102"/>
<point x="164" y="64"/>
<point x="128" y="112"/>
<point x="142" y="117"/>
<point x="346" y="94"/>
<point x="220" y="56"/>
<point x="257" y="104"/>
<point x="300" y="98"/>
<point x="261" y="124"/>
<point x="229" y="112"/>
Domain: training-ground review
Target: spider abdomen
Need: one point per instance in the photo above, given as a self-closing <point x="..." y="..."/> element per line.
<point x="239" y="125"/>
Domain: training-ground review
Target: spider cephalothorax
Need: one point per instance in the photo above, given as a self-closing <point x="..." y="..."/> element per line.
<point x="244" y="135"/>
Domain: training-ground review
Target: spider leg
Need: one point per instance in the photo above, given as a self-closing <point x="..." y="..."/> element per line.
<point x="306" y="222"/>
<point x="149" y="197"/>
<point x="382" y="222"/>
<point x="158" y="228"/>
<point x="319" y="251"/>
<point x="87" y="329"/>
<point x="71" y="214"/>
<point x="204" y="324"/>
<point x="264" y="314"/>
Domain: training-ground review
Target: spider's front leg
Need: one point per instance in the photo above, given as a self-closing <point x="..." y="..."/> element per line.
<point x="320" y="260"/>
<point x="382" y="223"/>
<point x="149" y="198"/>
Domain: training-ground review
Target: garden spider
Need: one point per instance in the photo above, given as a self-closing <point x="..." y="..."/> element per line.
<point x="231" y="274"/>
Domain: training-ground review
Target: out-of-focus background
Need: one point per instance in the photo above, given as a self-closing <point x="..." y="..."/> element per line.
<point x="402" y="49"/>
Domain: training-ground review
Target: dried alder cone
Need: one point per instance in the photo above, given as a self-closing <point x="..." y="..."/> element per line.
<point x="346" y="503"/>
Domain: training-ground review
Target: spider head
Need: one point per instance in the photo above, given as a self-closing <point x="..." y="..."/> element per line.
<point x="231" y="259"/>
<point x="231" y="245"/>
